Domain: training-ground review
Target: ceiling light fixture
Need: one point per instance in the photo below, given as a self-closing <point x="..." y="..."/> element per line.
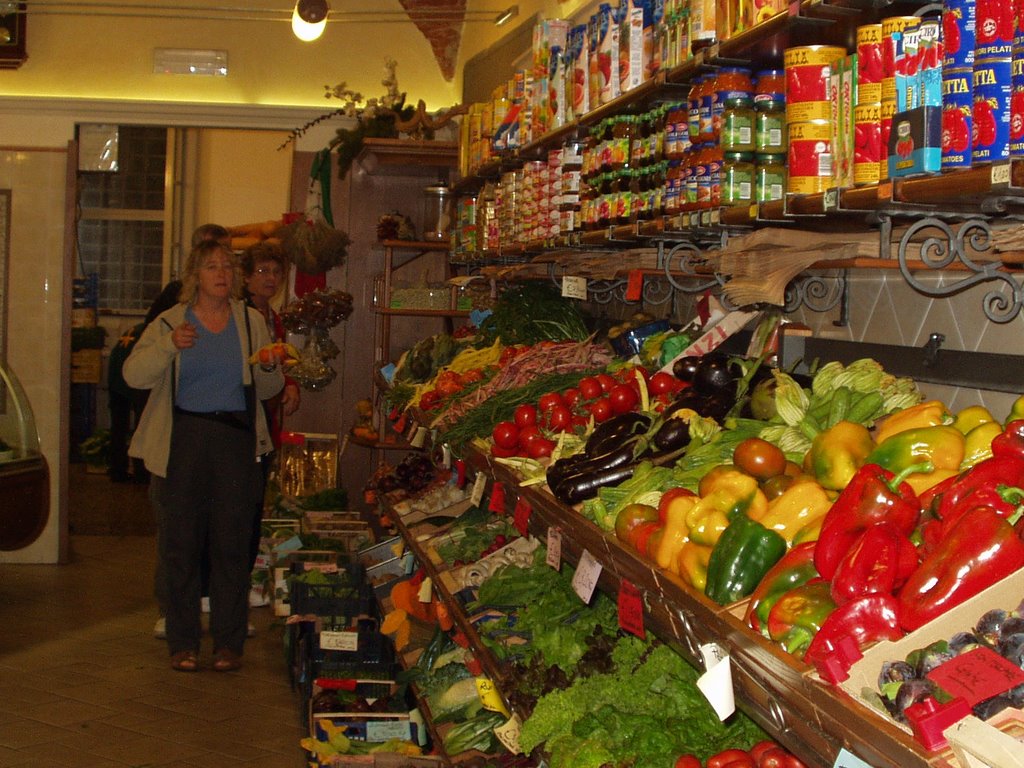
<point x="507" y="15"/>
<point x="309" y="19"/>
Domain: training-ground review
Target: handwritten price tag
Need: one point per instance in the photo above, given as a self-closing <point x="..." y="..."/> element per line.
<point x="631" y="609"/>
<point x="521" y="516"/>
<point x="635" y="285"/>
<point x="339" y="641"/>
<point x="584" y="581"/>
<point x="497" y="505"/>
<point x="554" y="558"/>
<point x="508" y="734"/>
<point x="977" y="675"/>
<point x="846" y="759"/>
<point x="489" y="696"/>
<point x="574" y="287"/>
<point x="426" y="593"/>
<point x="477" y="494"/>
<point x="385" y="730"/>
<point x="716" y="682"/>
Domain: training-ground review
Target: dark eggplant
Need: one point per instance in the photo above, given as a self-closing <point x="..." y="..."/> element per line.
<point x="585" y="486"/>
<point x="685" y="368"/>
<point x="714" y="374"/>
<point x="673" y="434"/>
<point x="612" y="433"/>
<point x="624" y="454"/>
<point x="565" y="467"/>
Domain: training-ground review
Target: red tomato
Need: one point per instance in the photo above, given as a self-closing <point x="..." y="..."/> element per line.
<point x="471" y="376"/>
<point x="759" y="458"/>
<point x="776" y="757"/>
<point x="559" y="419"/>
<point x="549" y="401"/>
<point x="526" y="434"/>
<point x="606" y="382"/>
<point x="792" y="761"/>
<point x="525" y="415"/>
<point x="504" y="453"/>
<point x="729" y="756"/>
<point x="623" y="398"/>
<point x="741" y="762"/>
<point x="687" y="761"/>
<point x="571" y="396"/>
<point x="601" y="409"/>
<point x="580" y="422"/>
<point x="540" y="447"/>
<point x="663" y="383"/>
<point x="505" y="434"/>
<point x="590" y="388"/>
<point x="761" y="747"/>
<point x="640" y="536"/>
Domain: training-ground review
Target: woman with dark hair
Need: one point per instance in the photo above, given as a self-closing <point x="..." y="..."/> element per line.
<point x="204" y="432"/>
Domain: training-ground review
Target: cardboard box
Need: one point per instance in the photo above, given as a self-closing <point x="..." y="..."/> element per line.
<point x="864" y="674"/>
<point x="87" y="366"/>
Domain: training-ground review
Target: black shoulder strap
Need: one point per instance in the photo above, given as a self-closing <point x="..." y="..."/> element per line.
<point x="174" y="369"/>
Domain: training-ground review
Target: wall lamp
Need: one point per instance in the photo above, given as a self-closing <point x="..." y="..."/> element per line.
<point x="507" y="15"/>
<point x="309" y="19"/>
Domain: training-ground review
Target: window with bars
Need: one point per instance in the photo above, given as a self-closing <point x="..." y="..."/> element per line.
<point x="122" y="219"/>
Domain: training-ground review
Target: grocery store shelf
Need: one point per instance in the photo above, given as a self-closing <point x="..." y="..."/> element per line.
<point x="422" y="312"/>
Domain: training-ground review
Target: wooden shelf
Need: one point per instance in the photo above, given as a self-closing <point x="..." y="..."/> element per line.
<point x="407" y="157"/>
<point x="422" y="312"/>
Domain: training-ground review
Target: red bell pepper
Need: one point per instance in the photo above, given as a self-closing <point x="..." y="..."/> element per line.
<point x="1010" y="444"/>
<point x="867" y="619"/>
<point x="878" y="562"/>
<point x="986" y="477"/>
<point x="797" y="616"/>
<point x="872" y="495"/>
<point x="981" y="549"/>
<point x="795" y="568"/>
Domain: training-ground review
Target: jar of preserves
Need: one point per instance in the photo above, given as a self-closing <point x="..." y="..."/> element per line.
<point x="693" y="103"/>
<point x="622" y="139"/>
<point x="656" y="141"/>
<point x="639" y="144"/>
<point x="623" y="184"/>
<point x="674" y="192"/>
<point x="657" y="194"/>
<point x="606" y="145"/>
<point x="769" y="177"/>
<point x="738" y="118"/>
<point x="770" y="81"/>
<point x="770" y="124"/>
<point x="694" y="170"/>
<point x="737" y="178"/>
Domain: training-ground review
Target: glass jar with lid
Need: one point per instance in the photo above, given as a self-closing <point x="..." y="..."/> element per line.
<point x="737" y="178"/>
<point x="738" y="118"/>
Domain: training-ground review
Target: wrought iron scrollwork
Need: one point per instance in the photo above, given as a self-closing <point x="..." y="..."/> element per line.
<point x="690" y="259"/>
<point x="819" y="293"/>
<point x="948" y="245"/>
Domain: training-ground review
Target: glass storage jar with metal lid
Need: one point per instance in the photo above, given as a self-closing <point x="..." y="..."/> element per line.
<point x="436" y="215"/>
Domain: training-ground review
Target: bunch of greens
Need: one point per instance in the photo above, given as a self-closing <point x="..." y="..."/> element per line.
<point x="545" y="611"/>
<point x="530" y="313"/>
<point x="645" y="713"/>
<point x="328" y="498"/>
<point x="476" y="532"/>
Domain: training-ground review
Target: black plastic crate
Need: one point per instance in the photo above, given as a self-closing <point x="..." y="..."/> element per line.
<point x="342" y="599"/>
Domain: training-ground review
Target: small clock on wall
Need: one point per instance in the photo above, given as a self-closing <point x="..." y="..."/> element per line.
<point x="12" y="35"/>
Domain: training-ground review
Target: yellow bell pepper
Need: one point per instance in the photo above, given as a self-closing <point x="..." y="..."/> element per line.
<point x="930" y="413"/>
<point x="978" y="443"/>
<point x="942" y="446"/>
<point x="800" y="505"/>
<point x="676" y="531"/>
<point x="692" y="565"/>
<point x="809" y="532"/>
<point x="1016" y="410"/>
<point x="837" y="453"/>
<point x="731" y="493"/>
<point x="972" y="416"/>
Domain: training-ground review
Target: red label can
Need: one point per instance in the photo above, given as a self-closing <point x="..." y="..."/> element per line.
<point x="808" y="69"/>
<point x="810" y="157"/>
<point x="1017" y="101"/>
<point x="892" y="33"/>
<point x="867" y="143"/>
<point x="957" y="101"/>
<point x="869" y="63"/>
<point x="885" y="128"/>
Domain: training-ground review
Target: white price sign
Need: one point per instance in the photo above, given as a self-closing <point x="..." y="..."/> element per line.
<point x="716" y="682"/>
<point x="479" y="484"/>
<point x="339" y="641"/>
<point x="584" y="581"/>
<point x="554" y="556"/>
<point x="847" y="759"/>
<point x="385" y="730"/>
<point x="574" y="287"/>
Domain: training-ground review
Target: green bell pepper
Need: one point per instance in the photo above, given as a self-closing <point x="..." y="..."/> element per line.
<point x="745" y="552"/>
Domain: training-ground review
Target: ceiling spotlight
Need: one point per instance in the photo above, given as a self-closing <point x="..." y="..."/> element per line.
<point x="507" y="15"/>
<point x="309" y="19"/>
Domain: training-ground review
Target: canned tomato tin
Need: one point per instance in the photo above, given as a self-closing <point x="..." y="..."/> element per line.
<point x="808" y="69"/>
<point x="867" y="143"/>
<point x="869" y="63"/>
<point x="958" y="34"/>
<point x="810" y="157"/>
<point x="994" y="28"/>
<point x="957" y="89"/>
<point x="893" y="28"/>
<point x="1017" y="101"/>
<point x="990" y="110"/>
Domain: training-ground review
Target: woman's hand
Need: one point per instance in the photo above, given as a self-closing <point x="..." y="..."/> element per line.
<point x="290" y="399"/>
<point x="184" y="336"/>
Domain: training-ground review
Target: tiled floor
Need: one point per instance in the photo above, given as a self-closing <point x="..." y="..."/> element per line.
<point x="84" y="684"/>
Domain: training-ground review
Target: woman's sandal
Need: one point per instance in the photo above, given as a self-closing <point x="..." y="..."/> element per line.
<point x="226" y="660"/>
<point x="184" y="661"/>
